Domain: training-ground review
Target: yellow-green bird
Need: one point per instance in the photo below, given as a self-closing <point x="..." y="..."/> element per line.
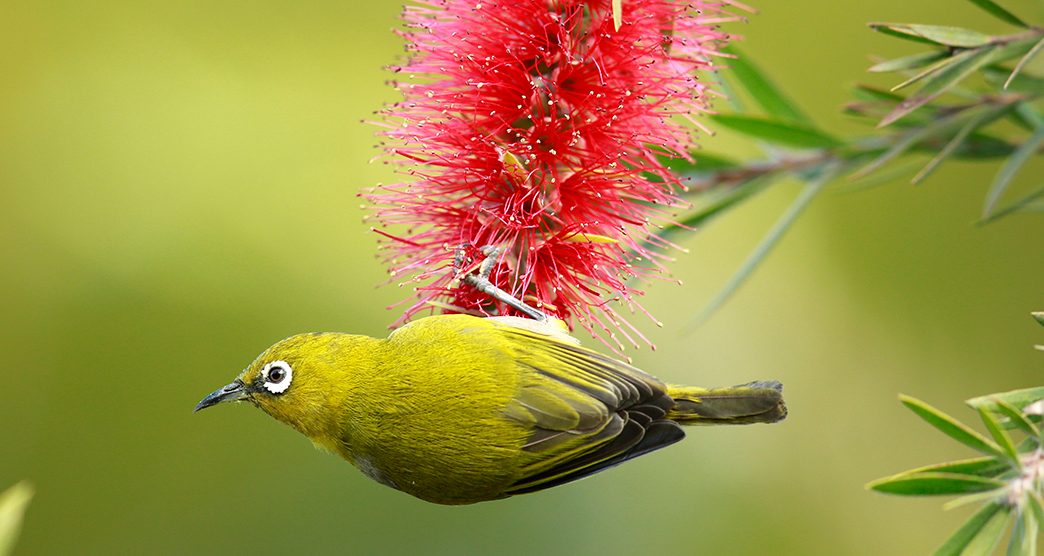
<point x="456" y="409"/>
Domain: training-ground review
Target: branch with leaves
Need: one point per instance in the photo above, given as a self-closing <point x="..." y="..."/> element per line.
<point x="974" y="97"/>
<point x="1008" y="479"/>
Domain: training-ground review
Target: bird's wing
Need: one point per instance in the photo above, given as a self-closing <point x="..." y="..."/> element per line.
<point x="587" y="412"/>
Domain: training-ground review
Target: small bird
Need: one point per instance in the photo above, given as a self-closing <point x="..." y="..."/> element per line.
<point x="457" y="409"/>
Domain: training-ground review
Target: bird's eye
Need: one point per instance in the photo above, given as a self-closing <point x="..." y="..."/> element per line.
<point x="277" y="376"/>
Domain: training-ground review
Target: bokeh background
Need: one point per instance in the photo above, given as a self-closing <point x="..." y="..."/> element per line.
<point x="178" y="191"/>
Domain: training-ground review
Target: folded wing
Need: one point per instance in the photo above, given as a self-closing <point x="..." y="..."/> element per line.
<point x="587" y="412"/>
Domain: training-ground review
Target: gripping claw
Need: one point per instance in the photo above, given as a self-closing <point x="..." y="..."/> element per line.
<point x="481" y="282"/>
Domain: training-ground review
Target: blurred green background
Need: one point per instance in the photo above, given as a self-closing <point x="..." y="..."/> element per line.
<point x="179" y="185"/>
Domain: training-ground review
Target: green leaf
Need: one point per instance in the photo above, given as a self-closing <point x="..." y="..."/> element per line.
<point x="732" y="97"/>
<point x="701" y="163"/>
<point x="938" y="34"/>
<point x="13" y="503"/>
<point x="734" y="196"/>
<point x="778" y="230"/>
<point x="782" y="133"/>
<point x="1036" y="505"/>
<point x="881" y="28"/>
<point x="1000" y="13"/>
<point x="909" y="62"/>
<point x="990" y="535"/>
<point x="1028" y="116"/>
<point x="934" y="484"/>
<point x="974" y="498"/>
<point x="916" y="136"/>
<point x="1026" y="203"/>
<point x="1010" y="168"/>
<point x="1000" y="436"/>
<point x="954" y="143"/>
<point x="617" y="14"/>
<point x="981" y="146"/>
<point x="766" y="93"/>
<point x="874" y="94"/>
<point x="963" y="536"/>
<point x="945" y="62"/>
<point x="951" y="427"/>
<point x="1022" y="62"/>
<point x="1017" y="82"/>
<point x="1038" y="316"/>
<point x="961" y="66"/>
<point x="1023" y="540"/>
<point x="868" y="181"/>
<point x="985" y="466"/>
<point x="1015" y="418"/>
<point x="1016" y="398"/>
<point x="1029" y="545"/>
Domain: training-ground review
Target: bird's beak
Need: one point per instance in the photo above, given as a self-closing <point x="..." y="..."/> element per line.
<point x="229" y="393"/>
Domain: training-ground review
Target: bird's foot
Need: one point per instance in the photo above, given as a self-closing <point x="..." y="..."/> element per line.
<point x="481" y="282"/>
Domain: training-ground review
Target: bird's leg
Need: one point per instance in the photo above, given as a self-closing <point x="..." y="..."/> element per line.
<point x="480" y="281"/>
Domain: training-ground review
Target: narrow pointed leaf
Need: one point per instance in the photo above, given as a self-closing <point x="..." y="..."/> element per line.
<point x="883" y="29"/>
<point x="1022" y="62"/>
<point x="1015" y="418"/>
<point x="992" y="8"/>
<point x="985" y="466"/>
<point x="13" y="503"/>
<point x="874" y="94"/>
<point x="782" y="133"/>
<point x="778" y="230"/>
<point x="1014" y="49"/>
<point x="934" y="484"/>
<point x="951" y="427"/>
<point x="1010" y="168"/>
<point x="902" y="145"/>
<point x="938" y="34"/>
<point x="909" y="62"/>
<point x="1027" y="203"/>
<point x="916" y="136"/>
<point x="1029" y="547"/>
<point x="934" y="69"/>
<point x="1000" y="436"/>
<point x="1018" y="533"/>
<point x="1038" y="316"/>
<point x="1023" y="540"/>
<point x="959" y="540"/>
<point x="982" y="146"/>
<point x="985" y="542"/>
<point x="701" y="163"/>
<point x="733" y="99"/>
<point x="939" y="82"/>
<point x="1026" y="116"/>
<point x="1036" y="505"/>
<point x="1016" y="398"/>
<point x="764" y="91"/>
<point x="1015" y="81"/>
<point x="864" y="182"/>
<point x="951" y="146"/>
<point x="719" y="205"/>
<point x="617" y="13"/>
<point x="975" y="498"/>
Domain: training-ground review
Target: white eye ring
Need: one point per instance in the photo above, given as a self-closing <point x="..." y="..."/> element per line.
<point x="277" y="375"/>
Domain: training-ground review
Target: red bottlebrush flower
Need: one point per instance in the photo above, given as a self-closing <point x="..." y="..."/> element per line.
<point x="537" y="127"/>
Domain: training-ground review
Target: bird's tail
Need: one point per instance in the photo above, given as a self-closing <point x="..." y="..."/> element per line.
<point x="754" y="402"/>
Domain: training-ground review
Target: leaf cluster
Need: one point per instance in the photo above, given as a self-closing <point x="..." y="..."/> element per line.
<point x="972" y="96"/>
<point x="1007" y="479"/>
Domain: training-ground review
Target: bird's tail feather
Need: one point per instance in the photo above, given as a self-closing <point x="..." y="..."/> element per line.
<point x="754" y="402"/>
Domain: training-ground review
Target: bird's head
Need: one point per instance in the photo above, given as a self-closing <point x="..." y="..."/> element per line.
<point x="296" y="380"/>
